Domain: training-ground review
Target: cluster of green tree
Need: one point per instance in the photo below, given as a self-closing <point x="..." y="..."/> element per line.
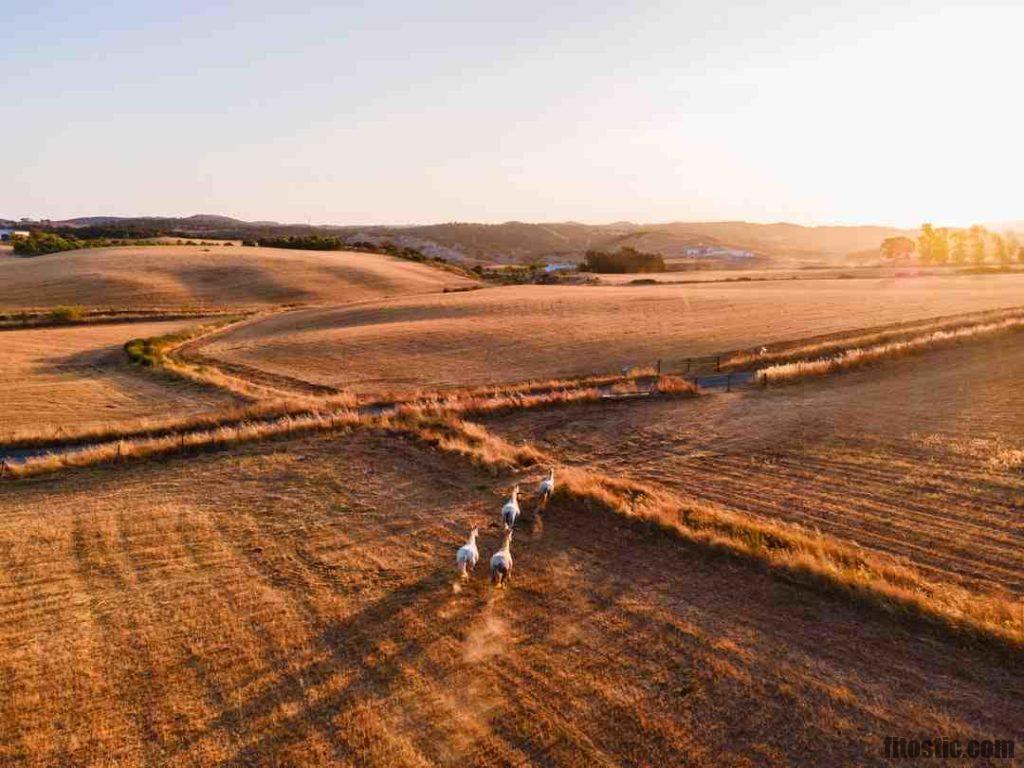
<point x="624" y="260"/>
<point x="39" y="242"/>
<point x="107" y="232"/>
<point x="399" y="251"/>
<point x="333" y="243"/>
<point x="409" y="254"/>
<point x="944" y="245"/>
<point x="305" y="242"/>
<point x="512" y="274"/>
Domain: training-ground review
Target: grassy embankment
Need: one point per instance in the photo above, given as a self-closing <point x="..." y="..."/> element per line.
<point x="860" y="356"/>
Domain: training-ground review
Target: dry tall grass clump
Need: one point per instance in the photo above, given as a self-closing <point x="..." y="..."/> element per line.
<point x="152" y="427"/>
<point x="585" y="391"/>
<point x="154" y="351"/>
<point x="903" y="331"/>
<point x="854" y="358"/>
<point x="219" y="437"/>
<point x="524" y="394"/>
<point x="159" y="352"/>
<point x="999" y="454"/>
<point x="437" y="428"/>
<point x="63" y="315"/>
<point x="435" y="420"/>
<point x="674" y="385"/>
<point x="471" y="441"/>
<point x="794" y="552"/>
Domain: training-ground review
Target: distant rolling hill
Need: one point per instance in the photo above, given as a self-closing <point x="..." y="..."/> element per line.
<point x="227" y="277"/>
<point x="522" y="242"/>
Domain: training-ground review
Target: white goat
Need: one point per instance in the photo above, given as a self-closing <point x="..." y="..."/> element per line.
<point x="501" y="562"/>
<point x="510" y="511"/>
<point x="547" y="488"/>
<point x="468" y="555"/>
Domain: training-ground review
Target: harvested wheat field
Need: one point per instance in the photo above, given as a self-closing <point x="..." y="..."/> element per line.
<point x="500" y="335"/>
<point x="215" y="276"/>
<point x="79" y="376"/>
<point x="779" y="272"/>
<point x="292" y="603"/>
<point x="920" y="458"/>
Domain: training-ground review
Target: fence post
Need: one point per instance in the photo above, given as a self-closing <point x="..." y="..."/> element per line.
<point x="718" y="363"/>
<point x="119" y="444"/>
<point x="659" y="366"/>
<point x="687" y="365"/>
<point x="728" y="382"/>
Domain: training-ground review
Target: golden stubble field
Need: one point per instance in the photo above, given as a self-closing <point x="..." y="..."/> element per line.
<point x="919" y="458"/>
<point x="536" y="332"/>
<point x="215" y="276"/>
<point x="784" y="273"/>
<point x="292" y="603"/>
<point x="78" y="376"/>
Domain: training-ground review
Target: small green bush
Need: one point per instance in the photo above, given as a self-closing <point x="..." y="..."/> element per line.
<point x="65" y="314"/>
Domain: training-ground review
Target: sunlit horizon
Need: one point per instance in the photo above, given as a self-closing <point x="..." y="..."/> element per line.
<point x="874" y="115"/>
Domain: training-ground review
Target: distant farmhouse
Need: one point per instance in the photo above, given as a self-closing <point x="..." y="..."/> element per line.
<point x="9" y="234"/>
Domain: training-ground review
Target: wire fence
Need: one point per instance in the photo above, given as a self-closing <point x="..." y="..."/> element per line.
<point x="710" y="372"/>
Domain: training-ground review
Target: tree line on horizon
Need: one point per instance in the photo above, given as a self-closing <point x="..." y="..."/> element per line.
<point x="624" y="261"/>
<point x="948" y="245"/>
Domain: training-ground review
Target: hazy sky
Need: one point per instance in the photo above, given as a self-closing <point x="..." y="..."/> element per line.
<point x="401" y="112"/>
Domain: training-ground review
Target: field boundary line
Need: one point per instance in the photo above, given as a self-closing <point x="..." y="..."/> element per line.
<point x="790" y="551"/>
<point x="858" y="357"/>
<point x="817" y="346"/>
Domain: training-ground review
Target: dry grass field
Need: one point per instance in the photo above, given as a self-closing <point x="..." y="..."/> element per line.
<point x="241" y="599"/>
<point x="526" y="332"/>
<point x="199" y="276"/>
<point x="78" y="376"/>
<point x="920" y="458"/>
<point x="784" y="273"/>
<point x="292" y="603"/>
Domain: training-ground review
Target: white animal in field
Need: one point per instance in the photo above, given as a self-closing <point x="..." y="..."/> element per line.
<point x="468" y="555"/>
<point x="547" y="488"/>
<point x="510" y="511"/>
<point x="501" y="562"/>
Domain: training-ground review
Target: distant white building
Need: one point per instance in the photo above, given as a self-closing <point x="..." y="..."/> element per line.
<point x="559" y="267"/>
<point x="713" y="250"/>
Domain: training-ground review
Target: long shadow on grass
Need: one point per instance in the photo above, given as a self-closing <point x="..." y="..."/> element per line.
<point x="353" y="646"/>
